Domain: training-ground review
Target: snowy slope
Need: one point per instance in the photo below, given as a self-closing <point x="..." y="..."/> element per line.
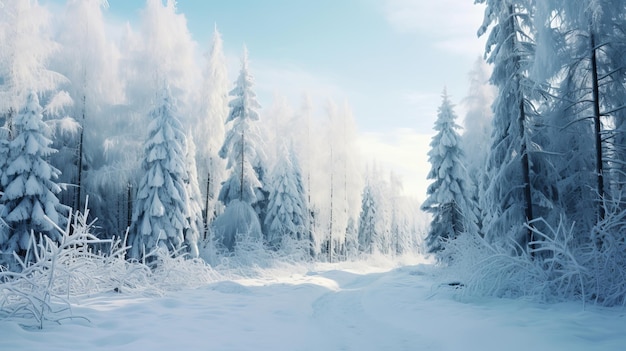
<point x="349" y="306"/>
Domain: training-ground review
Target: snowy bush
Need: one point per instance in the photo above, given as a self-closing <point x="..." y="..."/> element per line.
<point x="238" y="218"/>
<point x="174" y="272"/>
<point x="251" y="256"/>
<point x="295" y="250"/>
<point x="483" y="269"/>
<point x="42" y="291"/>
<point x="604" y="257"/>
<point x="558" y="268"/>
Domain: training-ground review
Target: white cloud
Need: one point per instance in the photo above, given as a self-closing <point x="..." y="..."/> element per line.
<point x="451" y="23"/>
<point x="405" y="152"/>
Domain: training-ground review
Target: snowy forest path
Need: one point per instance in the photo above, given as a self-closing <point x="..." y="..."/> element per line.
<point x="408" y="309"/>
<point x="346" y="307"/>
<point x="350" y="319"/>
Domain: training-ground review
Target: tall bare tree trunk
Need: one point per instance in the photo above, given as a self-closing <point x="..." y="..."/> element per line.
<point x="525" y="163"/>
<point x="206" y="203"/>
<point x="79" y="182"/>
<point x="330" y="232"/>
<point x="243" y="151"/>
<point x="597" y="124"/>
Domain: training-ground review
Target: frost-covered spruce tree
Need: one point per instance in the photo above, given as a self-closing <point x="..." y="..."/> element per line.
<point x="569" y="133"/>
<point x="210" y="127"/>
<point x="507" y="201"/>
<point x="27" y="47"/>
<point x="373" y="232"/>
<point x="587" y="54"/>
<point x="395" y="223"/>
<point x="241" y="190"/>
<point x="352" y="239"/>
<point x="369" y="222"/>
<point x="27" y="50"/>
<point x="240" y="147"/>
<point x="4" y="156"/>
<point x="287" y="213"/>
<point x="89" y="60"/>
<point x="477" y="128"/>
<point x="449" y="197"/>
<point x="196" y="228"/>
<point x="30" y="202"/>
<point x="161" y="207"/>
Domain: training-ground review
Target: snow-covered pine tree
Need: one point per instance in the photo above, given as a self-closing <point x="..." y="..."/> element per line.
<point x="329" y="242"/>
<point x="406" y="219"/>
<point x="30" y="202"/>
<point x="369" y="221"/>
<point x="449" y="197"/>
<point x="343" y="179"/>
<point x="568" y="130"/>
<point x="352" y="239"/>
<point x="588" y="68"/>
<point x="477" y="129"/>
<point x="4" y="156"/>
<point x="279" y="130"/>
<point x="240" y="146"/>
<point x="610" y="44"/>
<point x="27" y="47"/>
<point x="507" y="201"/>
<point x="352" y="177"/>
<point x="89" y="60"/>
<point x="241" y="149"/>
<point x="161" y="50"/>
<point x="306" y="154"/>
<point x="287" y="212"/>
<point x="196" y="228"/>
<point x="262" y="192"/>
<point x="161" y="207"/>
<point x="210" y="127"/>
<point x="395" y="222"/>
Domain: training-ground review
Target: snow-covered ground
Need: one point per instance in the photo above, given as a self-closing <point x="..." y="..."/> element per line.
<point x="378" y="305"/>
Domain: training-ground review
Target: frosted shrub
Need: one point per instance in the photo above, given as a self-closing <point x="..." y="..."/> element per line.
<point x="251" y="255"/>
<point x="42" y="291"/>
<point x="560" y="267"/>
<point x="174" y="272"/>
<point x="294" y="250"/>
<point x="604" y="256"/>
<point x="559" y="260"/>
<point x="250" y="252"/>
<point x="485" y="269"/>
<point x="209" y="249"/>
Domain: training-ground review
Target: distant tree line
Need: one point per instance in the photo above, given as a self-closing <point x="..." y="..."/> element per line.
<point x="172" y="152"/>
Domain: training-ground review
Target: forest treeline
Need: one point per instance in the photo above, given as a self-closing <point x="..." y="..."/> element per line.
<point x="541" y="207"/>
<point x="172" y="153"/>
